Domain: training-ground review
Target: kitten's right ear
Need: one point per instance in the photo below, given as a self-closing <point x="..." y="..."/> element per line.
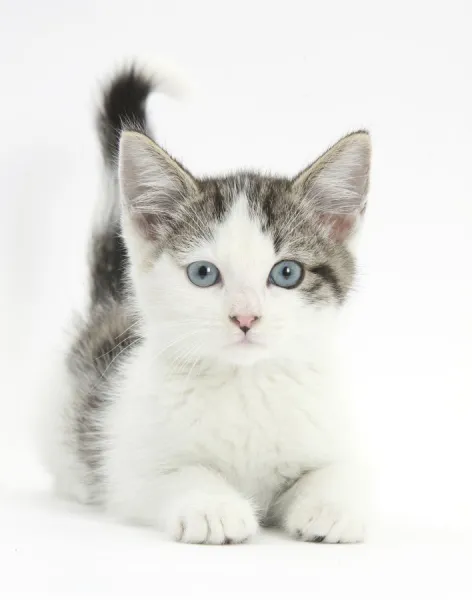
<point x="153" y="185"/>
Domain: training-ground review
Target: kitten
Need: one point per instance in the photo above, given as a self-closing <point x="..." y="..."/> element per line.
<point x="201" y="394"/>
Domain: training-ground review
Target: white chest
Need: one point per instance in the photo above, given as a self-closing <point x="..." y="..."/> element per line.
<point x="261" y="428"/>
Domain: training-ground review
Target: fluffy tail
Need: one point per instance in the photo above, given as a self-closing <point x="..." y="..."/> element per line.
<point x="123" y="107"/>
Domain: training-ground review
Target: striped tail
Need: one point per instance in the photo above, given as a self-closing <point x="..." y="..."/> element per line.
<point x="123" y="107"/>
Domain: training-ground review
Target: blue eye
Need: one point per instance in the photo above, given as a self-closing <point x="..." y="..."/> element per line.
<point x="286" y="274"/>
<point x="203" y="273"/>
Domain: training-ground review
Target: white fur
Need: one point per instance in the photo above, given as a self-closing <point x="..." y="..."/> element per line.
<point x="206" y="437"/>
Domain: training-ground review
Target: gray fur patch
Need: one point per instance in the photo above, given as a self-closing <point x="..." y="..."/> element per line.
<point x="102" y="341"/>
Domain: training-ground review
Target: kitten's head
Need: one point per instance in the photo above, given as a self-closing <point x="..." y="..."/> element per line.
<point x="245" y="267"/>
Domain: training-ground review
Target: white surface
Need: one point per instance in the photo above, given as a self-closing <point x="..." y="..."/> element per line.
<point x="273" y="86"/>
<point x="56" y="550"/>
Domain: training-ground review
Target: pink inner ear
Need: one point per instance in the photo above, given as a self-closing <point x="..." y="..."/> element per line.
<point x="339" y="226"/>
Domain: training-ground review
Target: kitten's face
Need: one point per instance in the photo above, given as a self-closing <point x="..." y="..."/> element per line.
<point x="241" y="269"/>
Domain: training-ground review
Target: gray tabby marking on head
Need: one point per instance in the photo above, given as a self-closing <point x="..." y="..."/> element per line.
<point x="308" y="218"/>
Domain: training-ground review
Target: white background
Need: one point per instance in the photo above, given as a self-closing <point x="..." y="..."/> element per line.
<point x="267" y="86"/>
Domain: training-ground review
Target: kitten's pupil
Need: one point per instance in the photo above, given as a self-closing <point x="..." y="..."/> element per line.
<point x="203" y="271"/>
<point x="286" y="272"/>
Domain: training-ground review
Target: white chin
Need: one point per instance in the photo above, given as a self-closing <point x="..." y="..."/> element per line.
<point x="243" y="354"/>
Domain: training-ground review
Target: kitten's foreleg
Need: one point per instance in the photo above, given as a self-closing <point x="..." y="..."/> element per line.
<point x="326" y="505"/>
<point x="194" y="504"/>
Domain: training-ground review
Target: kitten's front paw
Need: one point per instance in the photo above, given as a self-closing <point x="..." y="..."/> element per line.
<point x="329" y="524"/>
<point x="212" y="519"/>
<point x="325" y="506"/>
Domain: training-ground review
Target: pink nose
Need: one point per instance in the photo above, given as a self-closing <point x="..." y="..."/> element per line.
<point x="244" y="322"/>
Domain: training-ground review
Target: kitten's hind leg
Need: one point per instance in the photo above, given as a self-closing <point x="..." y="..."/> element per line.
<point x="55" y="432"/>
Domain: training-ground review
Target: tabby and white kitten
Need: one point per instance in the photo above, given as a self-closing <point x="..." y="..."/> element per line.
<point x="201" y="394"/>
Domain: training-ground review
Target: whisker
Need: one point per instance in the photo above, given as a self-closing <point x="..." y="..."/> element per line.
<point x="130" y="337"/>
<point x="102" y="375"/>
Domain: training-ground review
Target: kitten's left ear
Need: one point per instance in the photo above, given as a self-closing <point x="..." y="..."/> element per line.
<point x="335" y="186"/>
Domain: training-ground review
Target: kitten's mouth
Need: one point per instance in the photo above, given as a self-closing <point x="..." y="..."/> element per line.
<point x="245" y="342"/>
